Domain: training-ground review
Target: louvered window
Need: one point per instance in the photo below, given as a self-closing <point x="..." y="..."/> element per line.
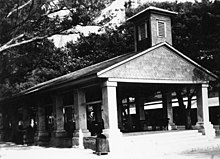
<point x="142" y="31"/>
<point x="161" y="28"/>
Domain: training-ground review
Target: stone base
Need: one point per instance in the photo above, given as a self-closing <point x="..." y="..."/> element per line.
<point x="209" y="130"/>
<point x="78" y="137"/>
<point x="1" y="135"/>
<point x="172" y="126"/>
<point x="75" y="141"/>
<point x="113" y="138"/>
<point x="217" y="132"/>
<point x="60" y="133"/>
<point x="200" y="127"/>
<point x="61" y="142"/>
<point x="112" y="133"/>
<point x="206" y="129"/>
<point x="42" y="138"/>
<point x="60" y="139"/>
<point x="89" y="143"/>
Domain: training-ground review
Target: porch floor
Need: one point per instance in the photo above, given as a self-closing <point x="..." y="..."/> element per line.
<point x="151" y="132"/>
<point x="165" y="142"/>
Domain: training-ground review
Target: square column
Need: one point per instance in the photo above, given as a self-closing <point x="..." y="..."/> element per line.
<point x="203" y="124"/>
<point x="59" y="136"/>
<point x="42" y="134"/>
<point x="120" y="107"/>
<point x="59" y="116"/>
<point x="80" y="118"/>
<point x="168" y="110"/>
<point x="110" y="115"/>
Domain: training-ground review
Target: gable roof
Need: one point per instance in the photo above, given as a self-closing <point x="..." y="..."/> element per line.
<point x="97" y="70"/>
<point x="79" y="74"/>
<point x="198" y="69"/>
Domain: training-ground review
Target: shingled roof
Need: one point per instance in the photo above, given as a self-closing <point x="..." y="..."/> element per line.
<point x="97" y="70"/>
<point x="79" y="74"/>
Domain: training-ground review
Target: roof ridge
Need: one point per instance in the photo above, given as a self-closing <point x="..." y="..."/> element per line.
<point x="154" y="9"/>
<point x="74" y="72"/>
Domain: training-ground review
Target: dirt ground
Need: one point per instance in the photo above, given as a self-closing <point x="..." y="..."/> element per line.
<point x="11" y="151"/>
<point x="209" y="154"/>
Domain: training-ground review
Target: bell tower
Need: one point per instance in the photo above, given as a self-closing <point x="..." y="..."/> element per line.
<point x="152" y="26"/>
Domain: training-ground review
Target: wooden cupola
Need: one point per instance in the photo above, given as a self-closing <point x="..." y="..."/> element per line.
<point x="152" y="26"/>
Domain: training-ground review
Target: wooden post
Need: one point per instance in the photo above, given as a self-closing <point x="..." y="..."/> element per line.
<point x="80" y="117"/>
<point x="203" y="124"/>
<point x="110" y="114"/>
<point x="42" y="134"/>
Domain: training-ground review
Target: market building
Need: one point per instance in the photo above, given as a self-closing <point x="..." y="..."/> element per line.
<point x="112" y="97"/>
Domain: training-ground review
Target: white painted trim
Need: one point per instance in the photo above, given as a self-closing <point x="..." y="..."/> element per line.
<point x="110" y="84"/>
<point x="154" y="81"/>
<point x="205" y="85"/>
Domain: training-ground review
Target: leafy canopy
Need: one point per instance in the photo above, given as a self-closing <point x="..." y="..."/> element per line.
<point x="26" y="56"/>
<point x="196" y="33"/>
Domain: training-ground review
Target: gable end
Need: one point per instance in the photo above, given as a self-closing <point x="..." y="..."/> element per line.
<point x="161" y="63"/>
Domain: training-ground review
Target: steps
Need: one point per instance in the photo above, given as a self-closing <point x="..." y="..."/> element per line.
<point x="167" y="141"/>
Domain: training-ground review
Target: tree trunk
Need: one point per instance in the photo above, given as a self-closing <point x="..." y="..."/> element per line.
<point x="188" y="111"/>
<point x="188" y="125"/>
<point x="182" y="115"/>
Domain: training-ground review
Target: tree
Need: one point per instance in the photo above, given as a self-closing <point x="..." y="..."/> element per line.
<point x="185" y="115"/>
<point x="99" y="47"/>
<point x="29" y="65"/>
<point x="196" y="33"/>
<point x="26" y="56"/>
<point x="25" y="21"/>
<point x="188" y="30"/>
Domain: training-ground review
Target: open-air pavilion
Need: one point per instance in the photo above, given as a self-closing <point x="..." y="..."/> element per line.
<point x="112" y="97"/>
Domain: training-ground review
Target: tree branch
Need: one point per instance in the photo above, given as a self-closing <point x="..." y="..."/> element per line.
<point x="25" y="19"/>
<point x="14" y="39"/>
<point x="15" y="9"/>
<point x="9" y="45"/>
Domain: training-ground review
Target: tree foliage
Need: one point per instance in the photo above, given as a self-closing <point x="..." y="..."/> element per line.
<point x="196" y="30"/>
<point x="29" y="65"/>
<point x="26" y="56"/>
<point x="99" y="47"/>
<point x="24" y="21"/>
<point x="196" y="33"/>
